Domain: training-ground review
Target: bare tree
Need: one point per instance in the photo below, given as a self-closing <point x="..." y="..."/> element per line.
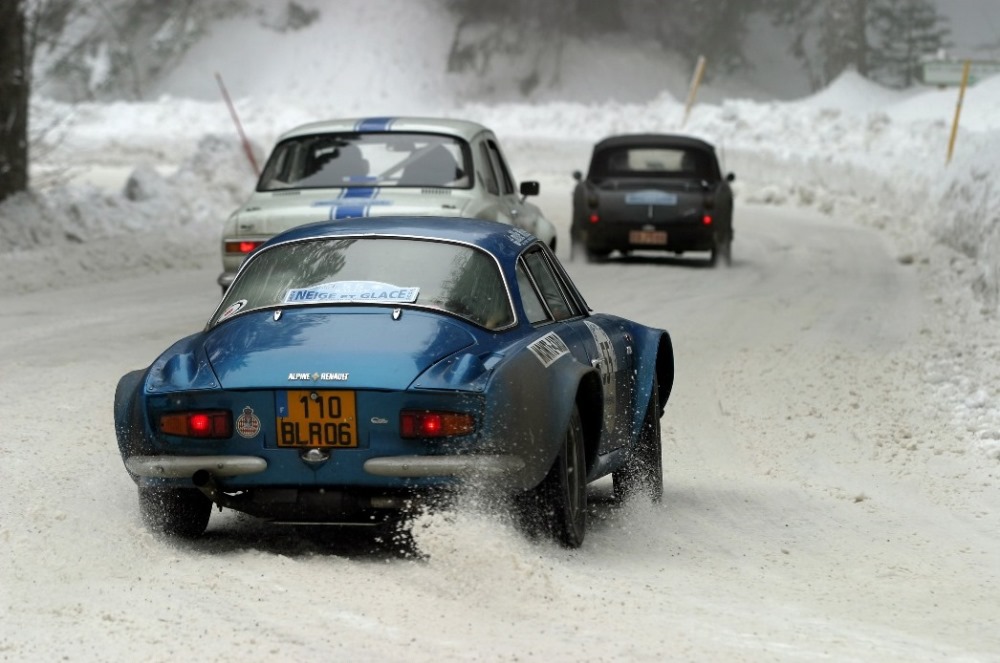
<point x="14" y="91"/>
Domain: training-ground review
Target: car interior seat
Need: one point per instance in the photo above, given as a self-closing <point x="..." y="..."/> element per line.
<point x="435" y="168"/>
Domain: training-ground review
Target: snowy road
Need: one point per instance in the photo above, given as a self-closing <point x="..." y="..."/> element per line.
<point x="817" y="507"/>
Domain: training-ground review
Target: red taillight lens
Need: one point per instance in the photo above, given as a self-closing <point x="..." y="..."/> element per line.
<point x="242" y="247"/>
<point x="594" y="218"/>
<point x="212" y="424"/>
<point x="414" y="423"/>
<point x="707" y="219"/>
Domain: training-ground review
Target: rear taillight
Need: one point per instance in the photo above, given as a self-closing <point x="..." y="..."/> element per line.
<point x="594" y="218"/>
<point x="425" y="423"/>
<point x="707" y="220"/>
<point x="242" y="247"/>
<point x="208" y="424"/>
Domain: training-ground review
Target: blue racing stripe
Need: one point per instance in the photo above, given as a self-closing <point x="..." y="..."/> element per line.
<point x="348" y="212"/>
<point x="374" y="124"/>
<point x="360" y="192"/>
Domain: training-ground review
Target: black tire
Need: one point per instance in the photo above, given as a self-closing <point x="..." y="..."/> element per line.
<point x="643" y="470"/>
<point x="713" y="257"/>
<point x="597" y="255"/>
<point x="180" y="512"/>
<point x="558" y="505"/>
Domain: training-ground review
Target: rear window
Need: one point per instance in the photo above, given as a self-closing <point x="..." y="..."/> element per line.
<point x="455" y="278"/>
<point x="657" y="161"/>
<point x="393" y="159"/>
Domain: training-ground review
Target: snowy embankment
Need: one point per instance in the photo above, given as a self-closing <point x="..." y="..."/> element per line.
<point x="855" y="152"/>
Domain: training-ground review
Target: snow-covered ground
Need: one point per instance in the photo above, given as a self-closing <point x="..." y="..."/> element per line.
<point x="832" y="447"/>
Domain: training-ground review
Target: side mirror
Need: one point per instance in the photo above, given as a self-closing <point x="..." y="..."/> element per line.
<point x="730" y="177"/>
<point x="530" y="188"/>
<point x="577" y="175"/>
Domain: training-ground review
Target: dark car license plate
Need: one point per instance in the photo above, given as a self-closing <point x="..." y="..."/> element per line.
<point x="647" y="237"/>
<point x="316" y="418"/>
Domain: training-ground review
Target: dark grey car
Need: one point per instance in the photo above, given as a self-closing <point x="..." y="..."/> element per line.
<point x="660" y="192"/>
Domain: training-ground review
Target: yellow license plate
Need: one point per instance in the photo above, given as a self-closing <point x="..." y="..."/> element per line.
<point x="657" y="237"/>
<point x="316" y="418"/>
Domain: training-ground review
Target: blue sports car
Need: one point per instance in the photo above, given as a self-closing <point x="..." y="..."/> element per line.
<point x="355" y="368"/>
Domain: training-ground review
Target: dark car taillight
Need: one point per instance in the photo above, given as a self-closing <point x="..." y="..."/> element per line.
<point x="207" y="424"/>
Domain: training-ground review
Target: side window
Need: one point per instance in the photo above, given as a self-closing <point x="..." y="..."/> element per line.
<point x="501" y="168"/>
<point x="488" y="172"/>
<point x="552" y="293"/>
<point x="533" y="306"/>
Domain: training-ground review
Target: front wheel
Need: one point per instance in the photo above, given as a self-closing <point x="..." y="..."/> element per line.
<point x="558" y="505"/>
<point x="180" y="512"/>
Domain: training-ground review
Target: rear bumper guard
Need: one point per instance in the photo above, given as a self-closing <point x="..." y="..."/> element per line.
<point x="176" y="467"/>
<point x="469" y="465"/>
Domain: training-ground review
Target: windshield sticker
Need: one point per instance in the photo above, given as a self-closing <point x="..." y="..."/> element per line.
<point x="549" y="348"/>
<point x="232" y="309"/>
<point x="351" y="291"/>
<point x="650" y="197"/>
<point x="519" y="237"/>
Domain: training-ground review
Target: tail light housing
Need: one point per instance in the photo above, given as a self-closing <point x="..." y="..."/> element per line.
<point x="706" y="220"/>
<point x="433" y="424"/>
<point x="205" y="424"/>
<point x="242" y="246"/>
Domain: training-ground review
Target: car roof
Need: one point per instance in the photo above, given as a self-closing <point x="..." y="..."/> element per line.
<point x="500" y="239"/>
<point x="439" y="125"/>
<point x="654" y="140"/>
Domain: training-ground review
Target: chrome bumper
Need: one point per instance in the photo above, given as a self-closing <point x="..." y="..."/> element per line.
<point x="443" y="466"/>
<point x="176" y="467"/>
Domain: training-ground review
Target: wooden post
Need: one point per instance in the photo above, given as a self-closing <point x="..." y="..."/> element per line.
<point x="958" y="109"/>
<point x="239" y="127"/>
<point x="699" y="71"/>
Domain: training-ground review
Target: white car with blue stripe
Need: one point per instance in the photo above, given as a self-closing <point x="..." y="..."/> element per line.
<point x="381" y="166"/>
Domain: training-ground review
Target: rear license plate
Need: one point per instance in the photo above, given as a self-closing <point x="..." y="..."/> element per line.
<point x="657" y="237"/>
<point x="316" y="418"/>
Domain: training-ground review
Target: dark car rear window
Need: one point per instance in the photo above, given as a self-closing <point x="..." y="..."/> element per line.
<point x="655" y="161"/>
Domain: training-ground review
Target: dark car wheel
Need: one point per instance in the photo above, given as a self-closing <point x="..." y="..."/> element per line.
<point x="727" y="252"/>
<point x="597" y="255"/>
<point x="175" y="511"/>
<point x="643" y="470"/>
<point x="558" y="505"/>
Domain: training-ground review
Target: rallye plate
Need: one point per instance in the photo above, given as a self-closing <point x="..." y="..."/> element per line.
<point x="647" y="237"/>
<point x="316" y="418"/>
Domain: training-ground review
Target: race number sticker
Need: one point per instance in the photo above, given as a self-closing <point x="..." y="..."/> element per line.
<point x="549" y="348"/>
<point x="607" y="366"/>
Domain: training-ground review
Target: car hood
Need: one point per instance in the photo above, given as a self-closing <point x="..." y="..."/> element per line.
<point x="274" y="211"/>
<point x="333" y="347"/>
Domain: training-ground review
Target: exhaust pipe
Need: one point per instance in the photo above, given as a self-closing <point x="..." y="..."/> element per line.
<point x="205" y="482"/>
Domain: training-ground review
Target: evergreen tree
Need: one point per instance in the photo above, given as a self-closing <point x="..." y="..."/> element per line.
<point x="14" y="90"/>
<point x="843" y="41"/>
<point x="904" y="32"/>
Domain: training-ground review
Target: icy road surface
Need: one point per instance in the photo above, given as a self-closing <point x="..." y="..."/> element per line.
<point x="817" y="505"/>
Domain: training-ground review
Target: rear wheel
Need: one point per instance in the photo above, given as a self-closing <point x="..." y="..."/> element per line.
<point x="175" y="511"/>
<point x="558" y="505"/>
<point x="643" y="470"/>
<point x="597" y="255"/>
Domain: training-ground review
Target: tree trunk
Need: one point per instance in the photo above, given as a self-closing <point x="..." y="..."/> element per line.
<point x="14" y="87"/>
